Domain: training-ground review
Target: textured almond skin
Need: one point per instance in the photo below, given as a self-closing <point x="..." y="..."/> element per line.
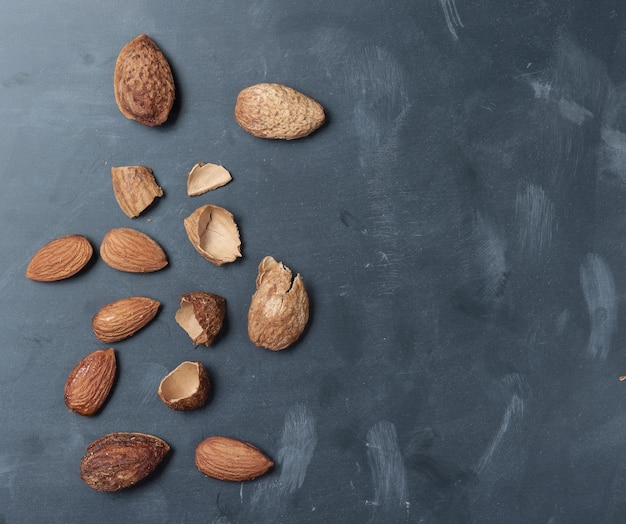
<point x="135" y="188"/>
<point x="88" y="385"/>
<point x="143" y="83"/>
<point x="277" y="111"/>
<point x="208" y="311"/>
<point x="129" y="250"/>
<point x="123" y="318"/>
<point x="60" y="258"/>
<point x="120" y="460"/>
<point x="225" y="458"/>
<point x="214" y="234"/>
<point x="185" y="388"/>
<point x="279" y="310"/>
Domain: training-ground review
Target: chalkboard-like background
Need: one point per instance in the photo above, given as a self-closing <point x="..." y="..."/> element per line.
<point x="459" y="223"/>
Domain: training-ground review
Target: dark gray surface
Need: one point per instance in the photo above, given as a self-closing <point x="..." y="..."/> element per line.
<point x="459" y="223"/>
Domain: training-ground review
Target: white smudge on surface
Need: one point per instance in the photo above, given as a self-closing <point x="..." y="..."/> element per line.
<point x="490" y="259"/>
<point x="598" y="287"/>
<point x="613" y="153"/>
<point x="534" y="213"/>
<point x="451" y="13"/>
<point x="297" y="446"/>
<point x="574" y="112"/>
<point x="387" y="465"/>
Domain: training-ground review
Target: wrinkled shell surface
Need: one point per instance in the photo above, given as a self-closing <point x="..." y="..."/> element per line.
<point x="186" y="387"/>
<point x="120" y="460"/>
<point x="135" y="188"/>
<point x="277" y="111"/>
<point x="123" y="318"/>
<point x="143" y="83"/>
<point x="206" y="177"/>
<point x="89" y="384"/>
<point x="279" y="310"/>
<point x="129" y="250"/>
<point x="201" y="315"/>
<point x="214" y="234"/>
<point x="59" y="259"/>
<point x="225" y="458"/>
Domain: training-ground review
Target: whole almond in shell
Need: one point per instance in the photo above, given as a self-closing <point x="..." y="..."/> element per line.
<point x="279" y="310"/>
<point x="129" y="250"/>
<point x="201" y="315"/>
<point x="186" y="387"/>
<point x="60" y="258"/>
<point x="277" y="111"/>
<point x="123" y="318"/>
<point x="135" y="188"/>
<point x="225" y="458"/>
<point x="143" y="83"/>
<point x="120" y="460"/>
<point x="89" y="384"/>
<point x="213" y="232"/>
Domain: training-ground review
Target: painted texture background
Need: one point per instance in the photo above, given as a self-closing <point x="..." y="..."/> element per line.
<point x="459" y="223"/>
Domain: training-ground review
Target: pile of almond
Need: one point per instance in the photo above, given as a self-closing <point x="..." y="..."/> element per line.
<point x="279" y="309"/>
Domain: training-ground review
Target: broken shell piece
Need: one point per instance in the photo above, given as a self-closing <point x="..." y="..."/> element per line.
<point x="213" y="232"/>
<point x="205" y="177"/>
<point x="185" y="388"/>
<point x="201" y="315"/>
<point x="135" y="188"/>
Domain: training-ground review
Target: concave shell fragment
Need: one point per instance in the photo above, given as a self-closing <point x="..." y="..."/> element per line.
<point x="186" y="387"/>
<point x="206" y="177"/>
<point x="214" y="234"/>
<point x="135" y="188"/>
<point x="201" y="315"/>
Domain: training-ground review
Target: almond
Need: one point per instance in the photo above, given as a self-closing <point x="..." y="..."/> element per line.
<point x="130" y="250"/>
<point x="143" y="83"/>
<point x="88" y="385"/>
<point x="225" y="458"/>
<point x="135" y="188"/>
<point x="59" y="259"/>
<point x="206" y="177"/>
<point x="201" y="315"/>
<point x="120" y="460"/>
<point x="279" y="310"/>
<point x="214" y="234"/>
<point x="277" y="111"/>
<point x="185" y="388"/>
<point x="123" y="318"/>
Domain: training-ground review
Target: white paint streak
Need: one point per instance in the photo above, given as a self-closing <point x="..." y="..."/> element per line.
<point x="387" y="465"/>
<point x="535" y="219"/>
<point x="489" y="256"/>
<point x="541" y="90"/>
<point x="297" y="446"/>
<point x="613" y="153"/>
<point x="453" y="20"/>
<point x="598" y="287"/>
<point x="573" y="112"/>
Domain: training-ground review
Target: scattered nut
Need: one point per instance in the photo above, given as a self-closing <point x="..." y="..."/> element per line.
<point x="279" y="310"/>
<point x="143" y="82"/>
<point x="214" y="234"/>
<point x="135" y="188"/>
<point x="225" y="458"/>
<point x="201" y="315"/>
<point x="123" y="318"/>
<point x="88" y="385"/>
<point x="185" y="388"/>
<point x="206" y="177"/>
<point x="277" y="111"/>
<point x="129" y="250"/>
<point x="59" y="259"/>
<point x="120" y="460"/>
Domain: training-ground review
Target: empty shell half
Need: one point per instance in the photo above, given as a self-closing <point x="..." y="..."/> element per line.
<point x="206" y="177"/>
<point x="201" y="315"/>
<point x="214" y="234"/>
<point x="186" y="387"/>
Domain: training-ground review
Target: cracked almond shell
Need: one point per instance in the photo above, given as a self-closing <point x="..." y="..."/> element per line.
<point x="206" y="177"/>
<point x="214" y="234"/>
<point x="119" y="460"/>
<point x="59" y="259"/>
<point x="129" y="250"/>
<point x="143" y="83"/>
<point x="88" y="385"/>
<point x="135" y="188"/>
<point x="201" y="315"/>
<point x="123" y="318"/>
<point x="185" y="388"/>
<point x="279" y="309"/>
